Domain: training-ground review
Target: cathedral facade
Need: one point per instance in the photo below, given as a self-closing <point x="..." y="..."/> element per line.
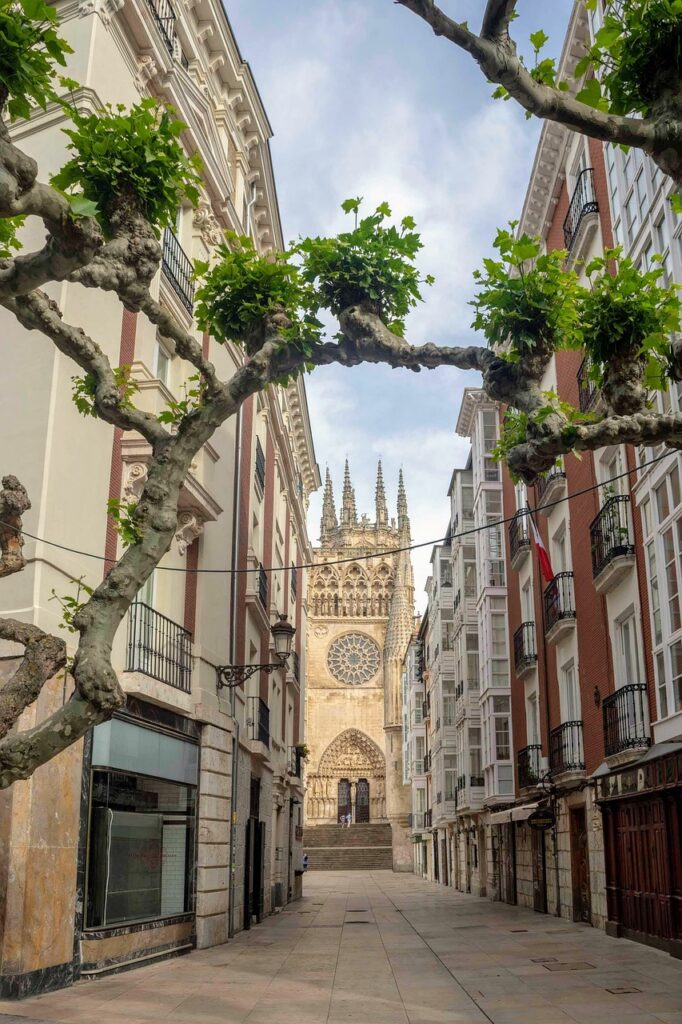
<point x="360" y="619"/>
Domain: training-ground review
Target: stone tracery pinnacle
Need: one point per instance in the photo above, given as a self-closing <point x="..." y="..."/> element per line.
<point x="329" y="521"/>
<point x="349" y="515"/>
<point x="381" y="507"/>
<point x="403" y="518"/>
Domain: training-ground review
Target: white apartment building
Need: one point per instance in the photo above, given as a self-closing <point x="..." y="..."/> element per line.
<point x="414" y="748"/>
<point x="223" y="846"/>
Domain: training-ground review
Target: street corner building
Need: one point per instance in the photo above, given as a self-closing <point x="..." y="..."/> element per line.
<point x="543" y="718"/>
<point x="360" y="619"/>
<point x="178" y="822"/>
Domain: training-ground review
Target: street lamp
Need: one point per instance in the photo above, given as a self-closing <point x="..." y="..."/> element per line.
<point x="235" y="675"/>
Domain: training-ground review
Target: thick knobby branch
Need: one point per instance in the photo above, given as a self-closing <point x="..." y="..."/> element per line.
<point x="44" y="656"/>
<point x="39" y="313"/>
<point x="496" y="55"/>
<point x="14" y="501"/>
<point x="186" y="345"/>
<point x="72" y="241"/>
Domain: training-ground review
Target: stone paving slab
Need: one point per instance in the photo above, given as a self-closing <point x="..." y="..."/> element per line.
<point x="425" y="955"/>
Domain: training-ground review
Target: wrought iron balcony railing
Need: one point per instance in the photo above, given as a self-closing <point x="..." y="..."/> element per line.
<point x="159" y="647"/>
<point x="519" y="534"/>
<point x="427" y="763"/>
<point x="177" y="267"/>
<point x="559" y="600"/>
<point x="525" y="651"/>
<point x="528" y="765"/>
<point x="543" y="483"/>
<point x="626" y="720"/>
<point x="587" y="388"/>
<point x="610" y="533"/>
<point x="428" y="817"/>
<point x="566" y="748"/>
<point x="260" y="721"/>
<point x="583" y="202"/>
<point x="476" y="780"/>
<point x="164" y="16"/>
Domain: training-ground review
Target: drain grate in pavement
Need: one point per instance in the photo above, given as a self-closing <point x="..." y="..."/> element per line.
<point x="544" y="960"/>
<point x="518" y="929"/>
<point x="580" y="966"/>
<point x="625" y="990"/>
<point x="357" y="922"/>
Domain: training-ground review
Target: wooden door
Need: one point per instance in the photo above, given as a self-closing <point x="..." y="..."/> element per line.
<point x="580" y="866"/>
<point x="344" y="805"/>
<point x="539" y="863"/>
<point x="362" y="801"/>
<point x="434" y="844"/>
<point x="643" y="854"/>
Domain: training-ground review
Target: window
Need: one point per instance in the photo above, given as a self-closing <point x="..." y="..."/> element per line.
<point x="141" y="832"/>
<point x="671" y="574"/>
<point x="527" y="608"/>
<point x="570" y="698"/>
<point x="163" y="362"/>
<point x="502" y="750"/>
<point x="661" y="685"/>
<point x="445" y="573"/>
<point x="450" y="762"/>
<point x="532" y="728"/>
<point x="560" y="556"/>
<point x="676" y="661"/>
<point x="654" y="592"/>
<point x="475" y="759"/>
<point x="628" y="656"/>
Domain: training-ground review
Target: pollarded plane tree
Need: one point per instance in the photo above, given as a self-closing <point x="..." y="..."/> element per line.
<point x="103" y="212"/>
<point x="628" y="85"/>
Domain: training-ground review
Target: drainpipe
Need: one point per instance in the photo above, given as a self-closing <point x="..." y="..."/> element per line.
<point x="233" y="697"/>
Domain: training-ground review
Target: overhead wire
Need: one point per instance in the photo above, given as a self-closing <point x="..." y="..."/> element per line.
<point x="382" y="553"/>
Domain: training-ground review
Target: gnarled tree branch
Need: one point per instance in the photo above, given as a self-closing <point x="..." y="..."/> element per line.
<point x="14" y="501"/>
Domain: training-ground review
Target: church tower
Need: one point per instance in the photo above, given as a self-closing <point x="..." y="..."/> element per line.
<point x="360" y="598"/>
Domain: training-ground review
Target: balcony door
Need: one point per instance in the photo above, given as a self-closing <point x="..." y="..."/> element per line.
<point x="628" y="654"/>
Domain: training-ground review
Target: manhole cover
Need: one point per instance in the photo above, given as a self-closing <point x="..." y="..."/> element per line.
<point x="570" y="967"/>
<point x="623" y="991"/>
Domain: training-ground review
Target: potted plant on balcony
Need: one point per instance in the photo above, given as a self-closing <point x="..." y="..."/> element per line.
<point x="302" y="751"/>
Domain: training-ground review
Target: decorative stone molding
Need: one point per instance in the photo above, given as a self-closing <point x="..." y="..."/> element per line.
<point x="134" y="479"/>
<point x="146" y="71"/>
<point x="106" y="9"/>
<point x="352" y="755"/>
<point x="189" y="528"/>
<point x="207" y="224"/>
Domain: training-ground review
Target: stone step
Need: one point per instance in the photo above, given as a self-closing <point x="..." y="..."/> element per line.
<point x="377" y="858"/>
<point x="355" y="836"/>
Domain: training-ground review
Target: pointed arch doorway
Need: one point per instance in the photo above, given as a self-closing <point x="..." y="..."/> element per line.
<point x="344" y="807"/>
<point x="362" y="801"/>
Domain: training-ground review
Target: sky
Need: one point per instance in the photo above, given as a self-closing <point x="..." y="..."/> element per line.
<point x="365" y="101"/>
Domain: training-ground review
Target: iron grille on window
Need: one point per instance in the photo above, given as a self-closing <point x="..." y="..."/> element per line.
<point x="476" y="780"/>
<point x="260" y="720"/>
<point x="528" y="764"/>
<point x="610" y="533"/>
<point x="159" y="647"/>
<point x="294" y="580"/>
<point x="583" y="201"/>
<point x="260" y="464"/>
<point x="625" y="719"/>
<point x="164" y="16"/>
<point x="566" y="748"/>
<point x="263" y="587"/>
<point x="178" y="269"/>
<point x="525" y="653"/>
<point x="587" y="388"/>
<point x="559" y="600"/>
<point x="543" y="482"/>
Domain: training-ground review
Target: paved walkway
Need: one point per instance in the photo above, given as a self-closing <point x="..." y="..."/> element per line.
<point x="379" y="948"/>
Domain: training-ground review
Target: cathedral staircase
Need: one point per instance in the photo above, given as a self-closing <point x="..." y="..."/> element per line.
<point x="358" y="848"/>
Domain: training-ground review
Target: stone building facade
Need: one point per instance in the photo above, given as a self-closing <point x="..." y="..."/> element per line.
<point x="360" y="602"/>
<point x="217" y="769"/>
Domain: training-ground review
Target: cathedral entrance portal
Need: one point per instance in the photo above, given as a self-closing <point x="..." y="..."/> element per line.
<point x="362" y="801"/>
<point x="352" y="771"/>
<point x="344" y="803"/>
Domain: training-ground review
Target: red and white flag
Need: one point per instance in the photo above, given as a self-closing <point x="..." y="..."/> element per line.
<point x="543" y="557"/>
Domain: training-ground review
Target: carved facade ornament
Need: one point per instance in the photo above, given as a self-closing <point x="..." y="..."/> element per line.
<point x="106" y="9"/>
<point x="353" y="658"/>
<point x="207" y="224"/>
<point x="190" y="526"/>
<point x="146" y="71"/>
<point x="135" y="477"/>
<point x="352" y="755"/>
<point x="321" y="632"/>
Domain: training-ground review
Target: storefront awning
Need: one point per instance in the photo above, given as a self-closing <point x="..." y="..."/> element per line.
<point x="520" y="813"/>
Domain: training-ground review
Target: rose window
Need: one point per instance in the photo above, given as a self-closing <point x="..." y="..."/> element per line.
<point x="353" y="658"/>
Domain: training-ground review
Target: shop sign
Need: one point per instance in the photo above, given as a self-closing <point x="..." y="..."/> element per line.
<point x="542" y="819"/>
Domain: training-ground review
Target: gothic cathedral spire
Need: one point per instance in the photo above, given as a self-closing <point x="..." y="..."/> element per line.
<point x="329" y="521"/>
<point x="381" y="507"/>
<point x="403" y="518"/>
<point x="349" y="515"/>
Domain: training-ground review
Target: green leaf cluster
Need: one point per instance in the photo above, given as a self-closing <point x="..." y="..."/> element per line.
<point x="130" y="155"/>
<point x="71" y="605"/>
<point x="83" y="392"/>
<point x="193" y="400"/>
<point x="8" y="235"/>
<point x="636" y="56"/>
<point x="30" y="47"/>
<point x="242" y="287"/>
<point x="122" y="515"/>
<point x="628" y="312"/>
<point x="526" y="297"/>
<point x="374" y="263"/>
